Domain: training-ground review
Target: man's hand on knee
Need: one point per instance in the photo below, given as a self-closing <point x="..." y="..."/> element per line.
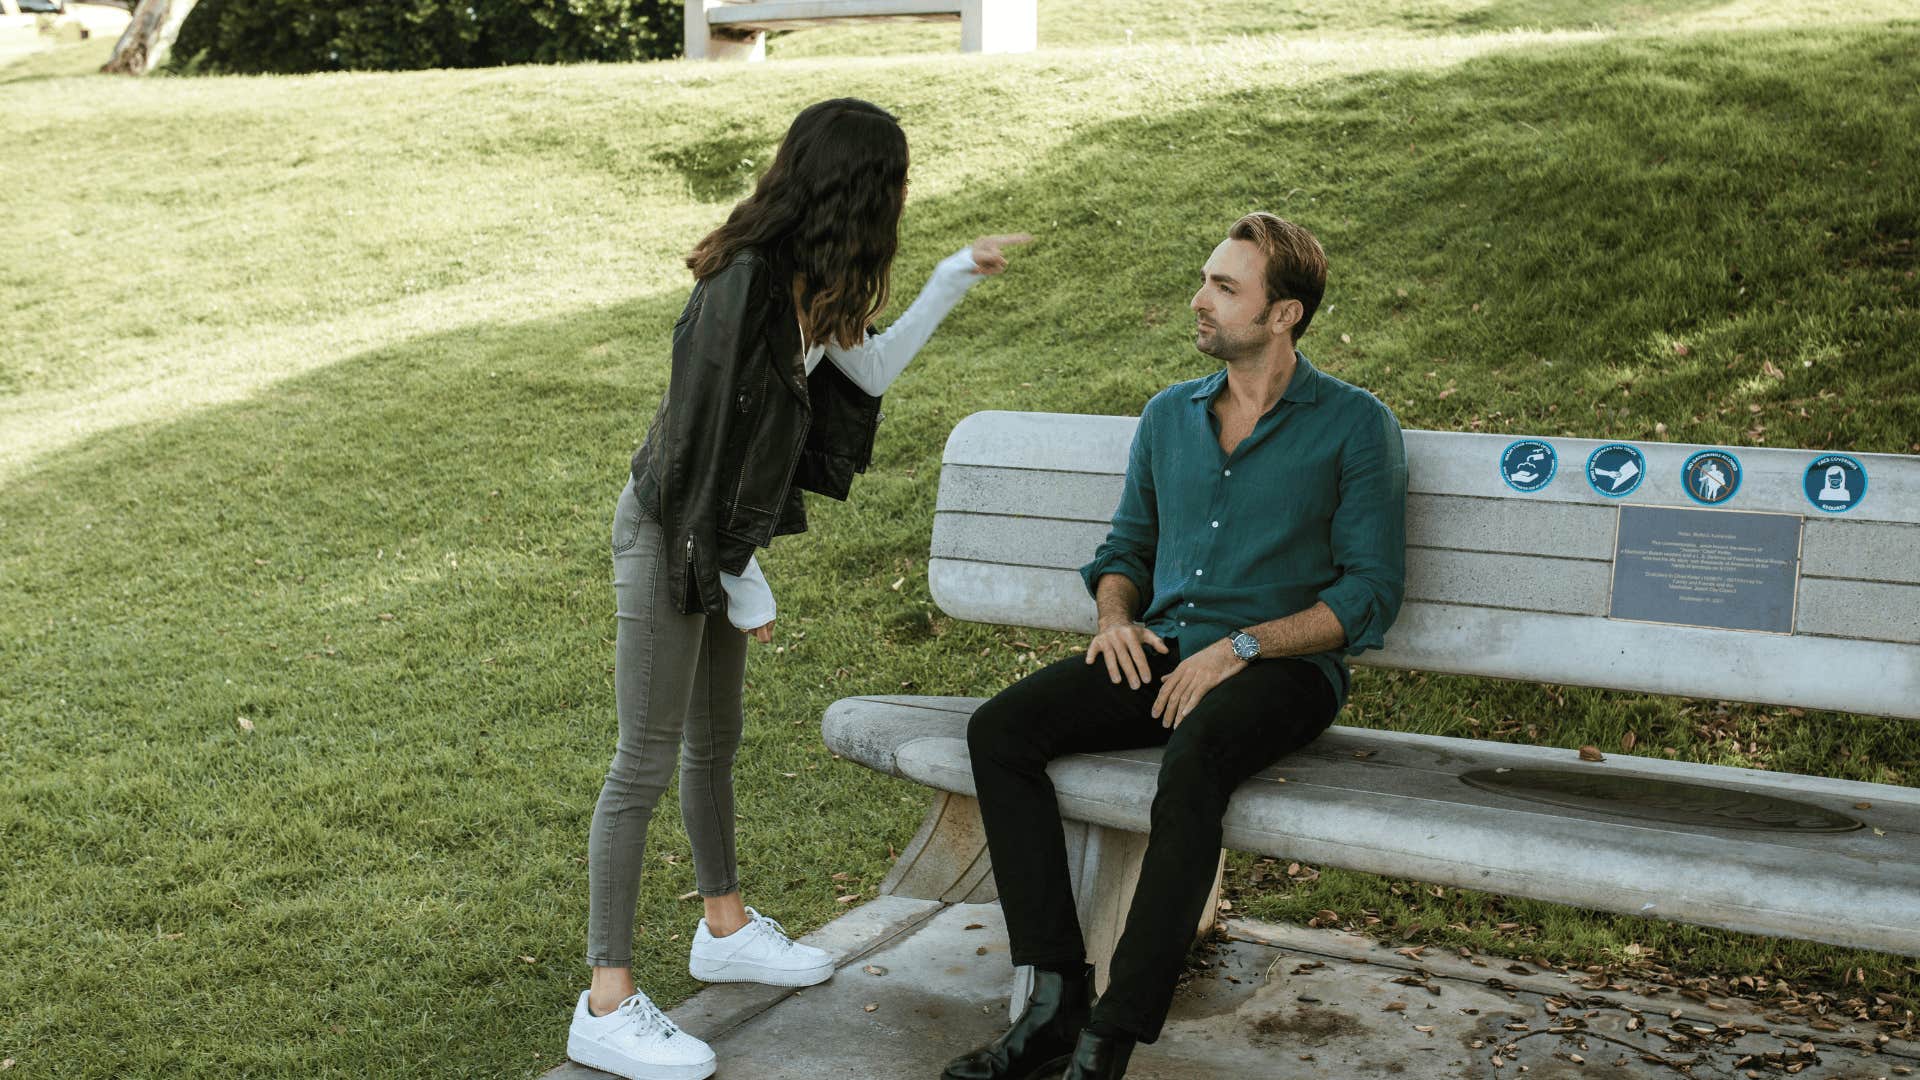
<point x="1185" y="685"/>
<point x="1122" y="644"/>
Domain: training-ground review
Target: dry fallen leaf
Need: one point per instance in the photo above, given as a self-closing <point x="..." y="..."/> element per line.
<point x="1394" y="1006"/>
<point x="1627" y="741"/>
<point x="974" y="926"/>
<point x="869" y="1007"/>
<point x="245" y="724"/>
<point x="847" y="899"/>
<point x="1863" y="806"/>
<point x="874" y="969"/>
<point x="1591" y="753"/>
<point x="528" y="960"/>
<point x="897" y="582"/>
<point x="690" y="894"/>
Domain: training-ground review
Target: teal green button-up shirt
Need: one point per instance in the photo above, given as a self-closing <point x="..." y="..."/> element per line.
<point x="1310" y="506"/>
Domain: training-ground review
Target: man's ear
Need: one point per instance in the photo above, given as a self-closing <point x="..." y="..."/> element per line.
<point x="1285" y="314"/>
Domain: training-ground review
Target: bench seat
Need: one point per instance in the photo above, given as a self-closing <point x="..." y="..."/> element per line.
<point x="1394" y="803"/>
<point x="792" y="14"/>
<point x="737" y="29"/>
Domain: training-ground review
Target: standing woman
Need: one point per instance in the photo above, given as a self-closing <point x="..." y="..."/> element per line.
<point x="751" y="417"/>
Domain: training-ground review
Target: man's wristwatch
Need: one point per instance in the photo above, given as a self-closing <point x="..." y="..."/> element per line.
<point x="1245" y="645"/>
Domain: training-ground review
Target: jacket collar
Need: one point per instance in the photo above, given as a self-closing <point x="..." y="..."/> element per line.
<point x="783" y="332"/>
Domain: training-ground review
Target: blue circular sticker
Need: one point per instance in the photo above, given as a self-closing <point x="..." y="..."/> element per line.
<point x="1528" y="465"/>
<point x="1616" y="469"/>
<point x="1711" y="477"/>
<point x="1835" y="483"/>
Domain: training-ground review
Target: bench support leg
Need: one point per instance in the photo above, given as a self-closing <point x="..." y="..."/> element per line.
<point x="999" y="26"/>
<point x="705" y="43"/>
<point x="1105" y="867"/>
<point x="947" y="859"/>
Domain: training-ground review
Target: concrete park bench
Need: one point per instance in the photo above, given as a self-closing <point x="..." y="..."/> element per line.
<point x="1525" y="560"/>
<point x="719" y="30"/>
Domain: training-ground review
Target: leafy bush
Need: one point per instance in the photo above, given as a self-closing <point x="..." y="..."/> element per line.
<point x="249" y="36"/>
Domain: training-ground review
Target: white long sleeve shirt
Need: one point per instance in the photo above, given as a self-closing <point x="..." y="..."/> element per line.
<point x="872" y="365"/>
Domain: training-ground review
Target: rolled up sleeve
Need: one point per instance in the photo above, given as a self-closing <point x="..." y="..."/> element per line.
<point x="1369" y="534"/>
<point x="1130" y="543"/>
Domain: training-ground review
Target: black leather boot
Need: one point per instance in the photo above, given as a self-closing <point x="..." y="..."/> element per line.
<point x="1039" y="1043"/>
<point x="1097" y="1057"/>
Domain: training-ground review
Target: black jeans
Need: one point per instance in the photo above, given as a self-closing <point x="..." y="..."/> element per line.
<point x="1070" y="706"/>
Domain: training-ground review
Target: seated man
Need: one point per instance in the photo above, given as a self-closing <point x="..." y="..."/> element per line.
<point x="1263" y="518"/>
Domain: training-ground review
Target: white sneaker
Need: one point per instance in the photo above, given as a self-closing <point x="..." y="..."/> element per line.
<point x="637" y="1041"/>
<point x="758" y="952"/>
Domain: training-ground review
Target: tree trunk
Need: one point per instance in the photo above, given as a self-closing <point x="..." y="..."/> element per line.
<point x="155" y="25"/>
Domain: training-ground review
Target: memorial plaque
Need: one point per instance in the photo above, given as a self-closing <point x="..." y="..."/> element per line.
<point x="1721" y="568"/>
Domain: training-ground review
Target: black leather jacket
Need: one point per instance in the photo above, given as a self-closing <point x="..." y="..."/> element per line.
<point x="743" y="429"/>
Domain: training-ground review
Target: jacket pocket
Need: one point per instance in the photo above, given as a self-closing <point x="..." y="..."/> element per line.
<point x="749" y="523"/>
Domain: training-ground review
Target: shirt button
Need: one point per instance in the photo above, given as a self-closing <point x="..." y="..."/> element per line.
<point x="1197" y="573"/>
<point x="1183" y="622"/>
<point x="1216" y="524"/>
<point x="1189" y="603"/>
<point x="1229" y="472"/>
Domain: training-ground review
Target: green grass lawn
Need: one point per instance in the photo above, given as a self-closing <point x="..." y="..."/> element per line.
<point x="316" y="394"/>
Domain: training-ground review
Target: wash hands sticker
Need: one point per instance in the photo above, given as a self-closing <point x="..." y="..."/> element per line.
<point x="1528" y="465"/>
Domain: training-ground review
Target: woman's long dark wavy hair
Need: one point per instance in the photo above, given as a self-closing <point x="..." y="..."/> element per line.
<point x="829" y="208"/>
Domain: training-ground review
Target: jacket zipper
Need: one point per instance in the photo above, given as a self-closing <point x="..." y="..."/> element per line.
<point x="693" y="585"/>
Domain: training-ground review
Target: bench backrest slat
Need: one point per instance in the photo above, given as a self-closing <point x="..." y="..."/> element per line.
<point x="1498" y="583"/>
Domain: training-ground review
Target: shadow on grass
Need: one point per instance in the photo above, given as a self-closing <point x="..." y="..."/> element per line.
<point x="394" y="570"/>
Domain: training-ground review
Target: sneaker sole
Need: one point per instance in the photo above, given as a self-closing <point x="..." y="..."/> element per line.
<point x="739" y="971"/>
<point x="595" y="1056"/>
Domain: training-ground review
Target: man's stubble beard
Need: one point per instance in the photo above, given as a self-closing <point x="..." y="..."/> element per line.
<point x="1231" y="349"/>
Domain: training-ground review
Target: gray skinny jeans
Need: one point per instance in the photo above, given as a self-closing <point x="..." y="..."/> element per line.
<point x="676" y="688"/>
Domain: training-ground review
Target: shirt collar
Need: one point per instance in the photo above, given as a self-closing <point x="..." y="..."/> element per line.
<point x="1304" y="387"/>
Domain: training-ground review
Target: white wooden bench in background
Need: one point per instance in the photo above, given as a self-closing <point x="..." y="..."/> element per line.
<point x="1499" y="583"/>
<point x="722" y="30"/>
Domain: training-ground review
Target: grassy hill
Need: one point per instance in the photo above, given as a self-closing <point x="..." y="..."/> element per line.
<point x="316" y="393"/>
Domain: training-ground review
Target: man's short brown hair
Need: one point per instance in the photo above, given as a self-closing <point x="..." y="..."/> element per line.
<point x="1296" y="266"/>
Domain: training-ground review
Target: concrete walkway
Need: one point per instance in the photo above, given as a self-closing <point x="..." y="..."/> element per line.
<point x="922" y="982"/>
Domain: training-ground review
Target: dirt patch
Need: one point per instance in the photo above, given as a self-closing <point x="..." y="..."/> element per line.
<point x="1305" y="1026"/>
